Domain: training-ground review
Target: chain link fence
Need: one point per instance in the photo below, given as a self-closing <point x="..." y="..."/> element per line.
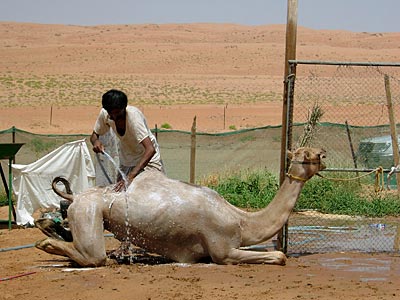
<point x="355" y="130"/>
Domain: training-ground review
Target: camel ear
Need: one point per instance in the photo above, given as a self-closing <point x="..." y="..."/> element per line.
<point x="290" y="154"/>
<point x="307" y="154"/>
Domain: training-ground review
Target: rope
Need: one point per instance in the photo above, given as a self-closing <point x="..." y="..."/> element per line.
<point x="296" y="177"/>
<point x="379" y="181"/>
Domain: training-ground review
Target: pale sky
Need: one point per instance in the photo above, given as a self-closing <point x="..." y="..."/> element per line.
<point x="353" y="15"/>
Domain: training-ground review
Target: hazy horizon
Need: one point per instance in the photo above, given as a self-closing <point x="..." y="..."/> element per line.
<point x="353" y="15"/>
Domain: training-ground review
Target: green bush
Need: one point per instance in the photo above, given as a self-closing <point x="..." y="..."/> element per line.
<point x="329" y="197"/>
<point x="348" y="198"/>
<point x="256" y="189"/>
<point x="166" y="126"/>
<point x="3" y="199"/>
<point x="247" y="189"/>
<point x="232" y="127"/>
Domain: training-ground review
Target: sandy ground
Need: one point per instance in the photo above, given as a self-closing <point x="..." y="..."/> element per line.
<point x="80" y="119"/>
<point x="28" y="273"/>
<point x="51" y="81"/>
<point x="227" y="75"/>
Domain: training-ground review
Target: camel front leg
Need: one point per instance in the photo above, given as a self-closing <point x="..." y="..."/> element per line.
<point x="237" y="256"/>
<point x="68" y="249"/>
<point x="85" y="219"/>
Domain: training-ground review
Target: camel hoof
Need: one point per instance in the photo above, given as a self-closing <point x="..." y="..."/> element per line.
<point x="278" y="258"/>
<point x="54" y="229"/>
<point x="46" y="245"/>
<point x="42" y="244"/>
<point x="282" y="259"/>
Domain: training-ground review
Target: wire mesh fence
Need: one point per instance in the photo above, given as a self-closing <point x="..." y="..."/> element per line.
<point x="215" y="153"/>
<point x="356" y="132"/>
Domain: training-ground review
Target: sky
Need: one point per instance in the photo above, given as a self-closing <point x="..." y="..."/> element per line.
<point x="352" y="15"/>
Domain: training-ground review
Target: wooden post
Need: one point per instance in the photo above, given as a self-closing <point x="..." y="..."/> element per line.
<point x="51" y="115"/>
<point x="393" y="129"/>
<point x="290" y="54"/>
<point x="353" y="155"/>
<point x="193" y="152"/>
<point x="225" y="115"/>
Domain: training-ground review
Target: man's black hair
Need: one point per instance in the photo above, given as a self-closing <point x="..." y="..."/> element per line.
<point x="114" y="99"/>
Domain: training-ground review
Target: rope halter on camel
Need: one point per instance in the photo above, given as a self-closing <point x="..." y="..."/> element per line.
<point x="310" y="162"/>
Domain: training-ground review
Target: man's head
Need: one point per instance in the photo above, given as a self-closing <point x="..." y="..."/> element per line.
<point x="115" y="102"/>
<point x="114" y="99"/>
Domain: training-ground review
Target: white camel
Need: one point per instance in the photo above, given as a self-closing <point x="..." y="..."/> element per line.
<point x="179" y="221"/>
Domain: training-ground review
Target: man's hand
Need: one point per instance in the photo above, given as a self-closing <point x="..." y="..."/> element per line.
<point x="119" y="186"/>
<point x="122" y="185"/>
<point x="98" y="146"/>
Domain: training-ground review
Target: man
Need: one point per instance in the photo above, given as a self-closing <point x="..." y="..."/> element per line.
<point x="138" y="147"/>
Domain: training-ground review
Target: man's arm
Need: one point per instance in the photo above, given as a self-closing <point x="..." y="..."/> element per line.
<point x="149" y="152"/>
<point x="98" y="147"/>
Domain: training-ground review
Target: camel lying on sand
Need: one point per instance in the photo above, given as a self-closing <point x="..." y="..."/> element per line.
<point x="179" y="221"/>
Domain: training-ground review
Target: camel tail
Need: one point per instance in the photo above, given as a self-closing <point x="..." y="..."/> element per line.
<point x="68" y="195"/>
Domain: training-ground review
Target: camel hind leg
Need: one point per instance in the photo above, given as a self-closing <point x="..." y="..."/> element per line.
<point x="88" y="247"/>
<point x="238" y="256"/>
<point x="226" y="253"/>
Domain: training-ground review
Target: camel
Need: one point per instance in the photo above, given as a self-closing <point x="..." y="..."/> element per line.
<point x="182" y="222"/>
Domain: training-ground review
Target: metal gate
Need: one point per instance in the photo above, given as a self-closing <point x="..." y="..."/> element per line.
<point x="354" y="97"/>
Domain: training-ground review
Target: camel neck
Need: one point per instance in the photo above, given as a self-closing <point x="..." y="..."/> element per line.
<point x="274" y="216"/>
<point x="286" y="197"/>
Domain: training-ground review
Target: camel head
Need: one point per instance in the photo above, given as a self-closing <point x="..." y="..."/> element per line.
<point x="305" y="162"/>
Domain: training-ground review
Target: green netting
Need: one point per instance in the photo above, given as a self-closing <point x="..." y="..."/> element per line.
<point x="215" y="153"/>
<point x="220" y="152"/>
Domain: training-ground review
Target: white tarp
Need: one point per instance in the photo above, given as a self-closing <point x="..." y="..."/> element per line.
<point x="32" y="183"/>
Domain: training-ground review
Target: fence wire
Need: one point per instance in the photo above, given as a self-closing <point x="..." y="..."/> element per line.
<point x="354" y="100"/>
